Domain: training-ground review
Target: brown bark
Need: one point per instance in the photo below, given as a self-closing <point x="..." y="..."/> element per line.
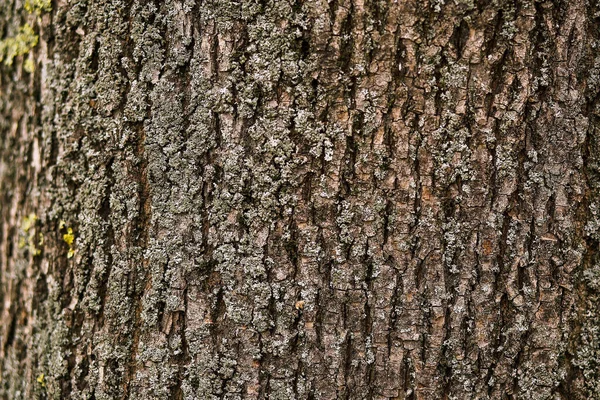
<point x="308" y="199"/>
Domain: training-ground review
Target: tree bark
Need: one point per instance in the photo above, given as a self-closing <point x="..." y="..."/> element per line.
<point x="301" y="199"/>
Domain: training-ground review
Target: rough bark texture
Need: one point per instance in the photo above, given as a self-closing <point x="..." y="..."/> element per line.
<point x="308" y="199"/>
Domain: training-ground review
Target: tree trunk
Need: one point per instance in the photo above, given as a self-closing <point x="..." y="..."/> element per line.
<point x="300" y="199"/>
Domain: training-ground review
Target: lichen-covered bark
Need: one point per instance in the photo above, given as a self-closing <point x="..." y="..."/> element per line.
<point x="307" y="199"/>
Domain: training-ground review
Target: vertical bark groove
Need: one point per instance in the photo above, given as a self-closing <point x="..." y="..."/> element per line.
<point x="301" y="200"/>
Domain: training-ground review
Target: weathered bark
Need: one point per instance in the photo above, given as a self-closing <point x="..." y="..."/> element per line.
<point x="308" y="199"/>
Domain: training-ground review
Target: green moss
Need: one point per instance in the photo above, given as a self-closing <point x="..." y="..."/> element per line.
<point x="29" y="66"/>
<point x="27" y="235"/>
<point x="26" y="39"/>
<point x="40" y="379"/>
<point x="38" y="6"/>
<point x="19" y="45"/>
<point x="29" y="222"/>
<point x="68" y="238"/>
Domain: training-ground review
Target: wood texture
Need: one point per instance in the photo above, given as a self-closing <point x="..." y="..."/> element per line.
<point x="309" y="199"/>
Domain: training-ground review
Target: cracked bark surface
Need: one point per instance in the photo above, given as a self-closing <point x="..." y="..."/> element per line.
<point x="308" y="199"/>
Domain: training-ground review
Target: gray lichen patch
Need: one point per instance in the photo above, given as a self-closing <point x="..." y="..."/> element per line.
<point x="302" y="200"/>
